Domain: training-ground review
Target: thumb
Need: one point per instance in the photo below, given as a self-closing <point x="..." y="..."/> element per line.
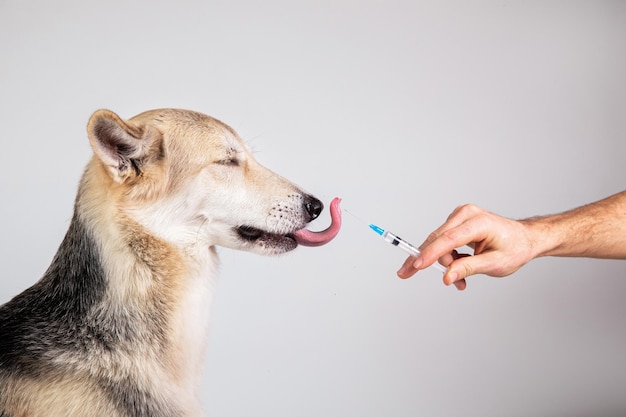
<point x="485" y="263"/>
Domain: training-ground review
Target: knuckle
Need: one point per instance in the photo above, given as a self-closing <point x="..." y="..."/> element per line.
<point x="448" y="236"/>
<point x="459" y="210"/>
<point x="469" y="209"/>
<point x="454" y="236"/>
<point x="467" y="270"/>
<point x="431" y="237"/>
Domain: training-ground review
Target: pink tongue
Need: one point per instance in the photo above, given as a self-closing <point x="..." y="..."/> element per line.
<point x="306" y="237"/>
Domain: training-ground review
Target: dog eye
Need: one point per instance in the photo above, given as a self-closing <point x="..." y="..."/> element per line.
<point x="229" y="162"/>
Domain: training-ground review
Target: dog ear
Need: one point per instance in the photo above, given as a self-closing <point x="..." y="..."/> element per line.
<point x="123" y="147"/>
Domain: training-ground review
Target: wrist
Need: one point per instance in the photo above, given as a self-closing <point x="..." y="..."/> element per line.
<point x="543" y="240"/>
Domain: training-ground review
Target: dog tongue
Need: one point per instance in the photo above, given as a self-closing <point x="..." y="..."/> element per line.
<point x="306" y="237"/>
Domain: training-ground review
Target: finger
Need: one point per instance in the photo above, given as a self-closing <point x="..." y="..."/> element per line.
<point x="460" y="284"/>
<point x="442" y="247"/>
<point x="452" y="277"/>
<point x="461" y="228"/>
<point x="489" y="263"/>
<point x="458" y="216"/>
<point x="407" y="270"/>
<point x="448" y="258"/>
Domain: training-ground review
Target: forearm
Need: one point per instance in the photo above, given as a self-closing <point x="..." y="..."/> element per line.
<point x="596" y="230"/>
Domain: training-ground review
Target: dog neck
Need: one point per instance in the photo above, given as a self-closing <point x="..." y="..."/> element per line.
<point x="139" y="292"/>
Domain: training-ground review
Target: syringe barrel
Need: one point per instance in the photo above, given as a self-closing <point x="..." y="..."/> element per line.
<point x="401" y="243"/>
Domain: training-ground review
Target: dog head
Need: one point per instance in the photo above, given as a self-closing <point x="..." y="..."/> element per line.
<point x="191" y="180"/>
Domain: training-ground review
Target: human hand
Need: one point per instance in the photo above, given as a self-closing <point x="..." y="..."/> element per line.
<point x="501" y="246"/>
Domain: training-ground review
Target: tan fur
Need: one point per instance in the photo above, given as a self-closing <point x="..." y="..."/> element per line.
<point x="43" y="401"/>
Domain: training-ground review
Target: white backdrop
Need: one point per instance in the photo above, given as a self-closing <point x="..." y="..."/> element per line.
<point x="403" y="109"/>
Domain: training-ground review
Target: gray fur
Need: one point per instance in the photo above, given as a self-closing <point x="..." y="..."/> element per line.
<point x="64" y="315"/>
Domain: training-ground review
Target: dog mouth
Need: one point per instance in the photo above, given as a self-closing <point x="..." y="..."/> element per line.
<point x="252" y="234"/>
<point x="302" y="236"/>
<point x="268" y="242"/>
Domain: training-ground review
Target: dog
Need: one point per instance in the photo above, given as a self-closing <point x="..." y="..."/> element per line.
<point x="117" y="325"/>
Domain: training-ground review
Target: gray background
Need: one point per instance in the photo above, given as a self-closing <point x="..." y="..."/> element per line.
<point x="405" y="110"/>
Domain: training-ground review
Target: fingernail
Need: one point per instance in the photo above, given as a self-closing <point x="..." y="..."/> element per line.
<point x="452" y="277"/>
<point x="418" y="263"/>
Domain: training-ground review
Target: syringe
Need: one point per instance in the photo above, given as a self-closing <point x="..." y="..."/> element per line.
<point x="402" y="244"/>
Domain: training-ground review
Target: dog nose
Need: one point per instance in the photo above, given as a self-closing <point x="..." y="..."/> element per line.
<point x="313" y="207"/>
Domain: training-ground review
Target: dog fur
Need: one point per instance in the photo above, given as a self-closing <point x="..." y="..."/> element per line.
<point x="117" y="325"/>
